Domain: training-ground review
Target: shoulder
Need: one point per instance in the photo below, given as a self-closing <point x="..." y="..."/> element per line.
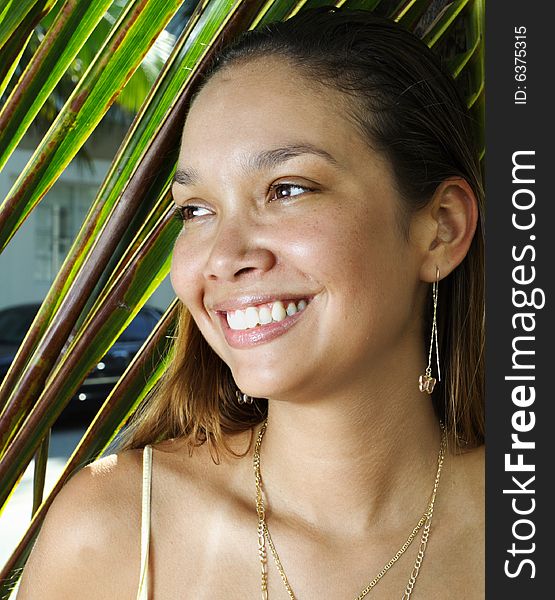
<point x="199" y="475"/>
<point x="100" y="495"/>
<point x="87" y="533"/>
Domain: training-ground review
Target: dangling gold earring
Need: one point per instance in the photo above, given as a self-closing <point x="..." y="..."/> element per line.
<point x="243" y="398"/>
<point x="426" y="382"/>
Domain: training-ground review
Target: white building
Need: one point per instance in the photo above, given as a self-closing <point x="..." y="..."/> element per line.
<point x="32" y="258"/>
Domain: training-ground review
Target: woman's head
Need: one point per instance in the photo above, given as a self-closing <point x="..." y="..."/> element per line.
<point x="326" y="159"/>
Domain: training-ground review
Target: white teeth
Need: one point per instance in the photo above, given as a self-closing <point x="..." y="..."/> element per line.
<point x="265" y="315"/>
<point x="278" y="311"/>
<point x="291" y="308"/>
<point x="252" y="316"/>
<point x="238" y="320"/>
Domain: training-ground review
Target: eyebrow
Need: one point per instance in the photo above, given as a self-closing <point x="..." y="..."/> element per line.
<point x="264" y="160"/>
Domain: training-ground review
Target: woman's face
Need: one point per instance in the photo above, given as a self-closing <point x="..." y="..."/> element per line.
<point x="288" y="204"/>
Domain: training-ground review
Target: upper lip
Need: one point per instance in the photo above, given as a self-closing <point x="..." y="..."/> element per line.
<point x="242" y="302"/>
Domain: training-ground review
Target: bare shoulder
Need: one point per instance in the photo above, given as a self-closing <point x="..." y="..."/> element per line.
<point x="197" y="479"/>
<point x="88" y="532"/>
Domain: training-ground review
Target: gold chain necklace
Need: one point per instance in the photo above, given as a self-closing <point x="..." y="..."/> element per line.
<point x="263" y="532"/>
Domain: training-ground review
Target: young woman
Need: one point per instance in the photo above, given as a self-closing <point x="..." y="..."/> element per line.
<point x="325" y="395"/>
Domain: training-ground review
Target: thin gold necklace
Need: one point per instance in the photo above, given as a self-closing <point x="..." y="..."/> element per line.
<point x="263" y="532"/>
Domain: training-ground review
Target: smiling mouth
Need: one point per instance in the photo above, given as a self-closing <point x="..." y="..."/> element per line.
<point x="264" y="314"/>
<point x="246" y="328"/>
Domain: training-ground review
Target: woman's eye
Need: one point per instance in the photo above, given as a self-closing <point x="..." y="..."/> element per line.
<point x="188" y="213"/>
<point x="284" y="190"/>
<point x="279" y="191"/>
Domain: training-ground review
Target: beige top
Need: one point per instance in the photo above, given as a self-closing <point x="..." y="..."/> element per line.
<point x="142" y="594"/>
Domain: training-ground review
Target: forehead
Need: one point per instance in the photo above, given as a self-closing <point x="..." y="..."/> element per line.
<point x="255" y="105"/>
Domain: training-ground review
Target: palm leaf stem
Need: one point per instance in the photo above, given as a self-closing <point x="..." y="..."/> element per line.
<point x="73" y="24"/>
<point x="121" y="54"/>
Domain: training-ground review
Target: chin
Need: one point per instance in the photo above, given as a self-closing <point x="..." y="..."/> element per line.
<point x="260" y="389"/>
<point x="260" y="383"/>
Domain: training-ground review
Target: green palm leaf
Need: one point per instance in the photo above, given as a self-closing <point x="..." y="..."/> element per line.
<point x="121" y="54"/>
<point x="73" y="24"/>
<point x="15" y="13"/>
<point x="411" y="12"/>
<point x="141" y="137"/>
<point x="17" y="22"/>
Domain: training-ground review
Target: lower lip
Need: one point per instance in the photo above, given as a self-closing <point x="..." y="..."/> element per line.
<point x="243" y="338"/>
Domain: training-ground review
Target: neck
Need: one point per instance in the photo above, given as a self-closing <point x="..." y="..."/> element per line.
<point x="353" y="460"/>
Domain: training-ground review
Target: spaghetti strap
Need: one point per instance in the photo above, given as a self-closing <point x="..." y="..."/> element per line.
<point x="145" y="522"/>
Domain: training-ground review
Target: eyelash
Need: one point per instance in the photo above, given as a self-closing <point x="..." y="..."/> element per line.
<point x="180" y="212"/>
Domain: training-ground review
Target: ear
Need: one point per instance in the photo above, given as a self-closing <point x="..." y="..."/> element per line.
<point x="444" y="228"/>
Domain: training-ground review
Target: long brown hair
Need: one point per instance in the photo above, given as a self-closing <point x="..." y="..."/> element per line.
<point x="408" y="108"/>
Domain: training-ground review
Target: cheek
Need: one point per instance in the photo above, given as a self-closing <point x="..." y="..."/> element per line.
<point x="364" y="264"/>
<point x="187" y="282"/>
<point x="352" y="249"/>
<point x="184" y="273"/>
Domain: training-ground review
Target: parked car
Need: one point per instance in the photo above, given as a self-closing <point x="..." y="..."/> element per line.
<point x="15" y="321"/>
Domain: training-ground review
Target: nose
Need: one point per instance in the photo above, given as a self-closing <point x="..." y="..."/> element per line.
<point x="238" y="251"/>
